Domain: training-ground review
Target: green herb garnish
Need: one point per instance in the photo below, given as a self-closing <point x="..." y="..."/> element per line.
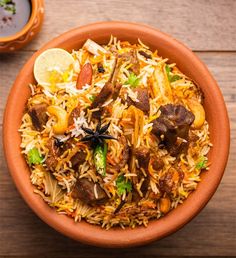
<point x="34" y="157"/>
<point x="202" y="163"/>
<point x="171" y="78"/>
<point x="133" y="80"/>
<point x="92" y="98"/>
<point x="123" y="185"/>
<point x="100" y="159"/>
<point x="8" y="5"/>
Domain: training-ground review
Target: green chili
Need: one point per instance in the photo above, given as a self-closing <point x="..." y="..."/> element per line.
<point x="100" y="158"/>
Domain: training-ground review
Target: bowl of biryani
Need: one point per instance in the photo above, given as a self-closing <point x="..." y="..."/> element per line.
<point x="116" y="134"/>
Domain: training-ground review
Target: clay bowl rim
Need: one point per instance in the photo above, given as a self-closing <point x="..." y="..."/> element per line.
<point x="28" y="25"/>
<point x="156" y="229"/>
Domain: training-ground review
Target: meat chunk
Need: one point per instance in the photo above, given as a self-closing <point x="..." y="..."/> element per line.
<point x="125" y="152"/>
<point x="158" y="164"/>
<point x="51" y="163"/>
<point x="116" y="91"/>
<point x="143" y="100"/>
<point x="170" y="181"/>
<point x="131" y="58"/>
<point x="172" y="127"/>
<point x="78" y="159"/>
<point x="75" y="113"/>
<point x="105" y="93"/>
<point x="89" y="192"/>
<point x="143" y="156"/>
<point x="38" y="115"/>
<point x="53" y="154"/>
<point x="111" y="89"/>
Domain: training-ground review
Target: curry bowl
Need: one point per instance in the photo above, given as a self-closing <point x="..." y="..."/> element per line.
<point x="18" y="26"/>
<point x="215" y="111"/>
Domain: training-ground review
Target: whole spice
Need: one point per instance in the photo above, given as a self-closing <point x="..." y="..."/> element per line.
<point x="98" y="136"/>
<point x="101" y="68"/>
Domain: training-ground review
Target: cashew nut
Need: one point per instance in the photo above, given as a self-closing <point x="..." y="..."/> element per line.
<point x="198" y="112"/>
<point x="62" y="119"/>
<point x="165" y="204"/>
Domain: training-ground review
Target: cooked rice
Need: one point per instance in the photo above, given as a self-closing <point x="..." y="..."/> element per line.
<point x="55" y="187"/>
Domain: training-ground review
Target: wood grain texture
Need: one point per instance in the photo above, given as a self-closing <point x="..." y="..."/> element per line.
<point x="208" y="27"/>
<point x="202" y="24"/>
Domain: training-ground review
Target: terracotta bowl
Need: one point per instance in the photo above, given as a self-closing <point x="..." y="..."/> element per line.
<point x="216" y="115"/>
<point x="28" y="32"/>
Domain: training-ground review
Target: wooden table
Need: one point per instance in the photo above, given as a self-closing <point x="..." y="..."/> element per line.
<point x="209" y="28"/>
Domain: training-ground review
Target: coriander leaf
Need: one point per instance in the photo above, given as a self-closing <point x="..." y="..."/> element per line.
<point x="168" y="72"/>
<point x="171" y="78"/>
<point x="202" y="163"/>
<point x="174" y="78"/>
<point x="91" y="98"/>
<point x="133" y="80"/>
<point x="123" y="185"/>
<point x="34" y="157"/>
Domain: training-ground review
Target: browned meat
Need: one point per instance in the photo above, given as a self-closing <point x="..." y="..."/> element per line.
<point x="75" y="113"/>
<point x="170" y="181"/>
<point x="179" y="147"/>
<point x="111" y="89"/>
<point x="51" y="163"/>
<point x="143" y="156"/>
<point x="158" y="163"/>
<point x="69" y="144"/>
<point x="143" y="103"/>
<point x="125" y="152"/>
<point x="78" y="159"/>
<point x="146" y="55"/>
<point x="38" y="115"/>
<point x="108" y="89"/>
<point x="132" y="58"/>
<point x="105" y="93"/>
<point x="89" y="192"/>
<point x="145" y="185"/>
<point x="135" y="196"/>
<point x="172" y="127"/>
<point x="116" y="92"/>
<point x="53" y="149"/>
<point x="53" y="154"/>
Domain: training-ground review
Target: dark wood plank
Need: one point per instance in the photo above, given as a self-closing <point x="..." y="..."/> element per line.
<point x="202" y="25"/>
